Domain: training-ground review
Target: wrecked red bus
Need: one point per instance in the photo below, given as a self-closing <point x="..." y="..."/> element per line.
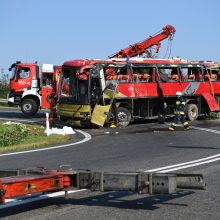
<point x="146" y="88"/>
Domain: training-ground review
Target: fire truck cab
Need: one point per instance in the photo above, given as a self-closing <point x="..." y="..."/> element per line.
<point x="31" y="86"/>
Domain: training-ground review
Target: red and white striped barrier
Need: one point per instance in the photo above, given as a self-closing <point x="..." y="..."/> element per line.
<point x="47" y="124"/>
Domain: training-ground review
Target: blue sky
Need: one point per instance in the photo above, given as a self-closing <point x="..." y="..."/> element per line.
<point x="54" y="31"/>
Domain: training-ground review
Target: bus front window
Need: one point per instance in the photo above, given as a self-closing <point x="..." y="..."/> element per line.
<point x="74" y="89"/>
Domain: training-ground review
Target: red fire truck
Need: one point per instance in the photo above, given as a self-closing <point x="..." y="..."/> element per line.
<point x="143" y="86"/>
<point x="32" y="85"/>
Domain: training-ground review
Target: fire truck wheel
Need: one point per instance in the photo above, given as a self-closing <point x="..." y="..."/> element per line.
<point x="123" y="117"/>
<point x="29" y="107"/>
<point x="192" y="112"/>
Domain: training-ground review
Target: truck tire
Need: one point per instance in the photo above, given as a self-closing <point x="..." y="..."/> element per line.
<point x="192" y="112"/>
<point x="123" y="116"/>
<point x="29" y="107"/>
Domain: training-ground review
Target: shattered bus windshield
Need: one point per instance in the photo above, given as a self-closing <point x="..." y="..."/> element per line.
<point x="74" y="90"/>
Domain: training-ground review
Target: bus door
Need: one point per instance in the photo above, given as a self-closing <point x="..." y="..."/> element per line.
<point x="99" y="94"/>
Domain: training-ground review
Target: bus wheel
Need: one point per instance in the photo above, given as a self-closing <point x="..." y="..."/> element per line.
<point x="192" y="112"/>
<point x="123" y="117"/>
<point x="29" y="107"/>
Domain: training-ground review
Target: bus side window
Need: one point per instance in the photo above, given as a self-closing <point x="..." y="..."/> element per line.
<point x="146" y="74"/>
<point x="213" y="76"/>
<point x="169" y="74"/>
<point x="191" y="75"/>
<point x="218" y="75"/>
<point x="174" y="75"/>
<point x="184" y="73"/>
<point x="207" y="75"/>
<point x="198" y="74"/>
<point x="142" y="74"/>
<point x="163" y="74"/>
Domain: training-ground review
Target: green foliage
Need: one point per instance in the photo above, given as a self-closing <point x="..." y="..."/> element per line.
<point x="4" y="89"/>
<point x="17" y="137"/>
<point x="214" y="114"/>
<point x="17" y="133"/>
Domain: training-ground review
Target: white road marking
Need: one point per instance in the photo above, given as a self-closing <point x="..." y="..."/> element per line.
<point x="206" y="129"/>
<point x="191" y="165"/>
<point x="21" y="120"/>
<point x="38" y="198"/>
<point x="188" y="164"/>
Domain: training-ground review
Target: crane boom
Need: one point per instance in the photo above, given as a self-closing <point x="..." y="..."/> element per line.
<point x="27" y="182"/>
<point x="141" y="47"/>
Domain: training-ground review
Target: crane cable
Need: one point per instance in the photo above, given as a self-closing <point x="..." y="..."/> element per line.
<point x="169" y="48"/>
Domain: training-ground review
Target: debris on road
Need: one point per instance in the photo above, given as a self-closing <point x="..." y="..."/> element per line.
<point x="63" y="131"/>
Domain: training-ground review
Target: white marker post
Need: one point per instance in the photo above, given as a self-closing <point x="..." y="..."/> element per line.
<point x="47" y="124"/>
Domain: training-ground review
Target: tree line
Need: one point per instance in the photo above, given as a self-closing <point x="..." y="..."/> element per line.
<point x="4" y="84"/>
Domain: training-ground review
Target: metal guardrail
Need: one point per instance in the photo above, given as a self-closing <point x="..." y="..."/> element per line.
<point x="4" y="100"/>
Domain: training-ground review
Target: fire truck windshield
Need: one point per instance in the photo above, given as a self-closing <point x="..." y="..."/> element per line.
<point x="73" y="90"/>
<point x="13" y="72"/>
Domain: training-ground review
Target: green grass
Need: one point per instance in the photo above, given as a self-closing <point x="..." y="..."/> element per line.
<point x="8" y="105"/>
<point x="4" y="104"/>
<point x="4" y="89"/>
<point x="24" y="137"/>
<point x="214" y="114"/>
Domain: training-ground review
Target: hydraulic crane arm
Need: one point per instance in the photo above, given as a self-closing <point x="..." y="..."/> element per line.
<point x="15" y="183"/>
<point x="141" y="47"/>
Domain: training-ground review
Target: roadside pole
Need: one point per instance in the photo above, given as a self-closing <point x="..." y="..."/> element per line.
<point x="47" y="124"/>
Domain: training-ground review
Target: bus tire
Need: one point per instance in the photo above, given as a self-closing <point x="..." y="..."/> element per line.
<point x="192" y="112"/>
<point x="29" y="107"/>
<point x="123" y="116"/>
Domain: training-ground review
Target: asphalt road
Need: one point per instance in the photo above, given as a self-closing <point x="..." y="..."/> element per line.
<point x="139" y="147"/>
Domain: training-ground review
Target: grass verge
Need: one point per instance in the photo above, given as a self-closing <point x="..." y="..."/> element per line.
<point x="19" y="137"/>
<point x="2" y="104"/>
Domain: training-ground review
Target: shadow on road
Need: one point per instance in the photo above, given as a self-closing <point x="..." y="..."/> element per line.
<point x="119" y="200"/>
<point x="195" y="147"/>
